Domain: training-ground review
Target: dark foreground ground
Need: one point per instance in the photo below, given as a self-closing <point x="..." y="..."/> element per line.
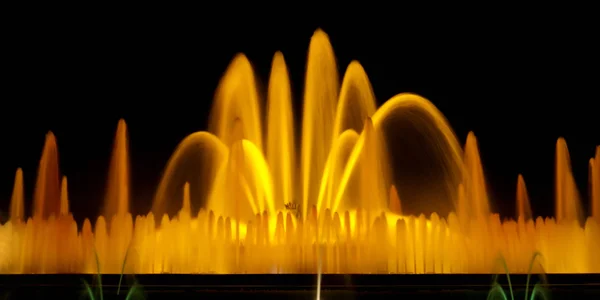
<point x="571" y="286"/>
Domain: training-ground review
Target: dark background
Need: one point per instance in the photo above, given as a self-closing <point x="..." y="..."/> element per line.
<point x="518" y="86"/>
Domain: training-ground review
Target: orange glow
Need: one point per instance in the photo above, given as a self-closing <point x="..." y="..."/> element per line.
<point x="231" y="202"/>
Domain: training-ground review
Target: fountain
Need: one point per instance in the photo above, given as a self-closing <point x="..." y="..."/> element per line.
<point x="239" y="199"/>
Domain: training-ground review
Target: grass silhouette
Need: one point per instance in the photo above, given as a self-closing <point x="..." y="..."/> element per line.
<point x="497" y="292"/>
<point x="97" y="293"/>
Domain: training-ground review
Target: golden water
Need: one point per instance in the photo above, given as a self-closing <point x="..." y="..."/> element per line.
<point x="241" y="199"/>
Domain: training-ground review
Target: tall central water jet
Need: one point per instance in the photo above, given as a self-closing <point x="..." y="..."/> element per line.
<point x="320" y="98"/>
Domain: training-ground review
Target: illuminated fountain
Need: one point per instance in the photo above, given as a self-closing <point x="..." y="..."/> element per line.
<point x="240" y="199"/>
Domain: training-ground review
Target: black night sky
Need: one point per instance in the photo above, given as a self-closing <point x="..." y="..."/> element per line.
<point x="517" y="88"/>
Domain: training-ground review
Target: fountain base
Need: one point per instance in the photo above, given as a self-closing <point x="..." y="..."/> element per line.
<point x="163" y="286"/>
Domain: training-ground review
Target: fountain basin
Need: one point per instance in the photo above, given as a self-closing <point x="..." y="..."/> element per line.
<point x="297" y="286"/>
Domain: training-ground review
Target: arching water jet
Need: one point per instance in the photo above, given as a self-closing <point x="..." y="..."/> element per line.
<point x="255" y="179"/>
<point x="356" y="102"/>
<point x="196" y="160"/>
<point x="374" y="171"/>
<point x="237" y="99"/>
<point x="429" y="125"/>
<point x="334" y="169"/>
<point x="369" y="158"/>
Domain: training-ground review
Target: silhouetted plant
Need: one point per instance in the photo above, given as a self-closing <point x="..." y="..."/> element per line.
<point x="134" y="292"/>
<point x="497" y="292"/>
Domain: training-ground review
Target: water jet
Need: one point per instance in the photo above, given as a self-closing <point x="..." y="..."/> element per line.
<point x="241" y="199"/>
